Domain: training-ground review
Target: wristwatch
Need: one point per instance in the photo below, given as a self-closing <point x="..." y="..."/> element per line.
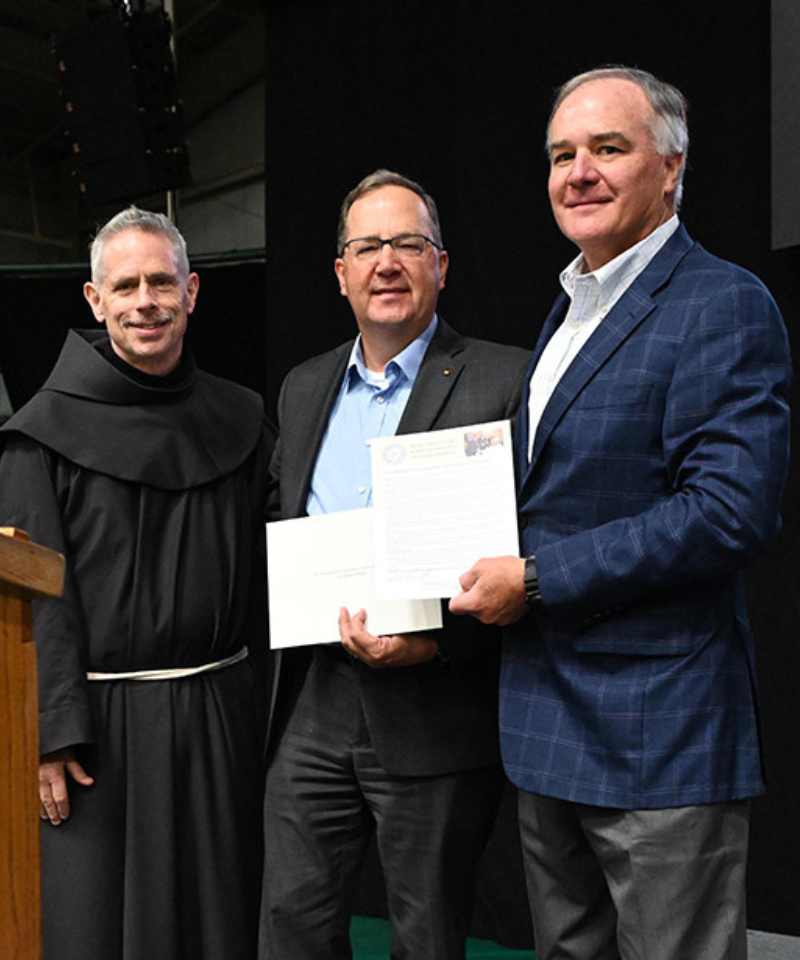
<point x="533" y="597"/>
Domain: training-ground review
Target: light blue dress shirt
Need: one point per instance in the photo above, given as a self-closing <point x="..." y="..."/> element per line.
<point x="369" y="405"/>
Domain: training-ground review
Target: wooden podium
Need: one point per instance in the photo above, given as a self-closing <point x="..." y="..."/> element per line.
<point x="26" y="571"/>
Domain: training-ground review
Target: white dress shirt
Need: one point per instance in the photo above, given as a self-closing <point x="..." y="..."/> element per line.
<point x="592" y="295"/>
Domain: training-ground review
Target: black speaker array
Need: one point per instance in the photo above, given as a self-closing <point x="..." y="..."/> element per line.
<point x="124" y="119"/>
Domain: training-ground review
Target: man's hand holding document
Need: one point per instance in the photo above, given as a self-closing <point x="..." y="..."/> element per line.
<point x="441" y="500"/>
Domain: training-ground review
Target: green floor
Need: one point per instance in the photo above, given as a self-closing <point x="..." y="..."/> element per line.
<point x="370" y="937"/>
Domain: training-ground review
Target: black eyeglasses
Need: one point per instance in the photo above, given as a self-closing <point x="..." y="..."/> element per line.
<point x="407" y="246"/>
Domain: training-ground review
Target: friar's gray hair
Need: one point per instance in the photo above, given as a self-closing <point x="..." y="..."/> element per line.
<point x="133" y="218"/>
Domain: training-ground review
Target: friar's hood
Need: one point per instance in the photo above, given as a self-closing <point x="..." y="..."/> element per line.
<point x="168" y="435"/>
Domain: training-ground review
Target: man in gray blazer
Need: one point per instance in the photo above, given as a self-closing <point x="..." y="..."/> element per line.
<point x="394" y="736"/>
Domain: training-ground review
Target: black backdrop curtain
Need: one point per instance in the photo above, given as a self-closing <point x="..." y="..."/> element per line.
<point x="39" y="306"/>
<point x="456" y="96"/>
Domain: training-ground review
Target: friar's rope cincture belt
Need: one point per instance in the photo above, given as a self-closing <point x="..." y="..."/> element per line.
<point x="176" y="673"/>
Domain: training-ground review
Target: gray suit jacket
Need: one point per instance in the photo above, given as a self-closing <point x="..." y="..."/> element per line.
<point x="436" y="717"/>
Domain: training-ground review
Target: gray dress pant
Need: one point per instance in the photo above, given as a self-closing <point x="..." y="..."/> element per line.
<point x="327" y="793"/>
<point x="607" y="884"/>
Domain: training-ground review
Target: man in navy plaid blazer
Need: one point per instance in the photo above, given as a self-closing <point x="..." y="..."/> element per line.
<point x="652" y="447"/>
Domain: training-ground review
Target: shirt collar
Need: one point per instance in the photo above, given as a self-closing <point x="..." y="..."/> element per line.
<point x="406" y="363"/>
<point x="630" y="262"/>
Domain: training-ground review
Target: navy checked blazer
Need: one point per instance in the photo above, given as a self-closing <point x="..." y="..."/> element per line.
<point x="656" y="475"/>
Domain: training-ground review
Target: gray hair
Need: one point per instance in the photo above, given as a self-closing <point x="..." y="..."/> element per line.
<point x="135" y="219"/>
<point x="386" y="178"/>
<point x="668" y="125"/>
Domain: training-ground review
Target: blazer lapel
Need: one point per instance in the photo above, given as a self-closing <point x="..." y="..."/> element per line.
<point x="309" y="423"/>
<point x="522" y="422"/>
<point x="625" y="317"/>
<point x="438" y="374"/>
